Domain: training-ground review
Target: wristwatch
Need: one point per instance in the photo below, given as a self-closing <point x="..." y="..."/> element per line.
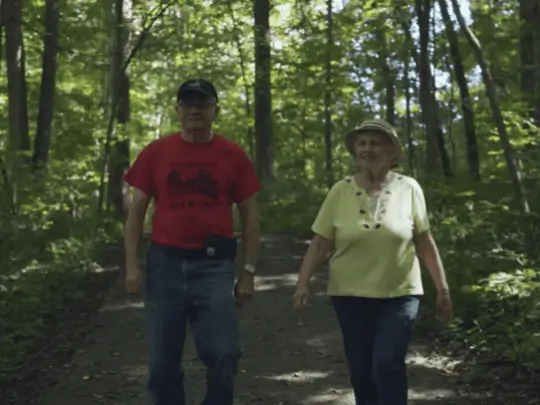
<point x="249" y="268"/>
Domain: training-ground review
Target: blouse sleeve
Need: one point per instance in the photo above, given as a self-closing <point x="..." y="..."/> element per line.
<point x="324" y="222"/>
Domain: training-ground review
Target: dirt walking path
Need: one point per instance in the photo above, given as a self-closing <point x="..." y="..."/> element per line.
<point x="289" y="358"/>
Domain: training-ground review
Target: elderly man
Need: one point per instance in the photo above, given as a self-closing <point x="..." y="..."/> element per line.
<point x="194" y="176"/>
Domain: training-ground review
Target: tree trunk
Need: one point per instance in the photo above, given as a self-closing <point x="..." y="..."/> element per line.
<point x="247" y="104"/>
<point x="19" y="138"/>
<point x="409" y="52"/>
<point x="2" y="25"/>
<point x="328" y="97"/>
<point x="536" y="17"/>
<point x="450" y="107"/>
<point x="24" y="144"/>
<point x="437" y="155"/>
<point x="466" y="102"/>
<point x="495" y="109"/>
<point x="264" y="161"/>
<point x="120" y="85"/>
<point x="388" y="75"/>
<point x="408" y="132"/>
<point x="428" y="116"/>
<point x="48" y="84"/>
<point x="526" y="48"/>
<point x="116" y="151"/>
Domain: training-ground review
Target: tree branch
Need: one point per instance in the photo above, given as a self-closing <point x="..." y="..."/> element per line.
<point x="147" y="26"/>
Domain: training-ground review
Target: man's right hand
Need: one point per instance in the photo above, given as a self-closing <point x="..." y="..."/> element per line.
<point x="133" y="277"/>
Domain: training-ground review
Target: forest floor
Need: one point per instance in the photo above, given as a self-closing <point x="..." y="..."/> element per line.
<point x="290" y="358"/>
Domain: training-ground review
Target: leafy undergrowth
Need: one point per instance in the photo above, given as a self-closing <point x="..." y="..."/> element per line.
<point x="492" y="261"/>
<point x="31" y="304"/>
<point x="43" y="310"/>
<point x="491" y="256"/>
<point x="49" y="285"/>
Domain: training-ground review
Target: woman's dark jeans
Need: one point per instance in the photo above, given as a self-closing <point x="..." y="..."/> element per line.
<point x="376" y="334"/>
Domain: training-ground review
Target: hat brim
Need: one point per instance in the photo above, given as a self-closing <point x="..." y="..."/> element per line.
<point x="352" y="136"/>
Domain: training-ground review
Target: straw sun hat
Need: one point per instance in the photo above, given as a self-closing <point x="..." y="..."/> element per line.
<point x="375" y="125"/>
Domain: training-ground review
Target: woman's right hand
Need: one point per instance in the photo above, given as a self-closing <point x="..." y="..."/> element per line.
<point x="301" y="296"/>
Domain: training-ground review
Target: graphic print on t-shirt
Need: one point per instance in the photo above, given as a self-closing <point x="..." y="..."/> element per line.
<point x="193" y="185"/>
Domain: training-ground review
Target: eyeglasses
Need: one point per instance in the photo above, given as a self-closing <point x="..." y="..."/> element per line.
<point x="199" y="105"/>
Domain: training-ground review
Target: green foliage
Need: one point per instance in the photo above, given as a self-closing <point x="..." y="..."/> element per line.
<point x="505" y="318"/>
<point x="493" y="266"/>
<point x="295" y="208"/>
<point x="46" y="249"/>
<point x="50" y="228"/>
<point x="31" y="302"/>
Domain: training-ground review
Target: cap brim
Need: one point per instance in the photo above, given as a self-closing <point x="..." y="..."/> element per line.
<point x="195" y="91"/>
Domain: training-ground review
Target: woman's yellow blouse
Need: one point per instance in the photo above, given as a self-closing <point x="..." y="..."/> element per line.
<point x="373" y="238"/>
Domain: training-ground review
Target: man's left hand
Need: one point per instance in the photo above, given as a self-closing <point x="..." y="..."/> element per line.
<point x="245" y="287"/>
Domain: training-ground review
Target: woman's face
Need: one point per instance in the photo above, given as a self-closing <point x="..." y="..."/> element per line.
<point x="373" y="150"/>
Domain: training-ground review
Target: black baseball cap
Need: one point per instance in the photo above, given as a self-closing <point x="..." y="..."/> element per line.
<point x="198" y="86"/>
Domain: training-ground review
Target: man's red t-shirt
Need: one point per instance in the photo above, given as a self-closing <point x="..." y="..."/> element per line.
<point x="194" y="186"/>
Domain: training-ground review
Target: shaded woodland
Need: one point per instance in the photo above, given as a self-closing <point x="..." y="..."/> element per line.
<point x="85" y="85"/>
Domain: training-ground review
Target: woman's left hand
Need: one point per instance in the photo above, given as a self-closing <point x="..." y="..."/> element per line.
<point x="444" y="306"/>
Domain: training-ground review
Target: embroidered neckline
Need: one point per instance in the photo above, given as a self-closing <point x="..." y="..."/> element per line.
<point x="369" y="219"/>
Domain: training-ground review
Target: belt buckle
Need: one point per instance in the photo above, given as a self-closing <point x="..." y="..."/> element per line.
<point x="210" y="251"/>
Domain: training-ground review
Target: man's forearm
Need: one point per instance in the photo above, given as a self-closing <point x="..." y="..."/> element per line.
<point x="251" y="241"/>
<point x="133" y="234"/>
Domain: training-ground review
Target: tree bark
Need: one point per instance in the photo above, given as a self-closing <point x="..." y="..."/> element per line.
<point x="536" y="17"/>
<point x="409" y="53"/>
<point x="19" y="138"/>
<point x="466" y="102"/>
<point x="2" y="26"/>
<point x="120" y="86"/>
<point x="526" y="52"/>
<point x="387" y="73"/>
<point x="437" y="155"/>
<point x="328" y="96"/>
<point x="264" y="161"/>
<point x="48" y="85"/>
<point x="247" y="103"/>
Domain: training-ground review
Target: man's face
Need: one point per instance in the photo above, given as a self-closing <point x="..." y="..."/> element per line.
<point x="197" y="111"/>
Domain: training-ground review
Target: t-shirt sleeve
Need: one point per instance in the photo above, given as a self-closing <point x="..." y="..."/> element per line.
<point x="324" y="222"/>
<point x="140" y="174"/>
<point x="247" y="183"/>
<point x="420" y="213"/>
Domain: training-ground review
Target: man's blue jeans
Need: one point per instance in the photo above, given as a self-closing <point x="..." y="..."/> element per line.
<point x="376" y="334"/>
<point x="200" y="291"/>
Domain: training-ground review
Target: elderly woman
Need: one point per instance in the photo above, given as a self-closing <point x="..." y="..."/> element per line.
<point x="375" y="224"/>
